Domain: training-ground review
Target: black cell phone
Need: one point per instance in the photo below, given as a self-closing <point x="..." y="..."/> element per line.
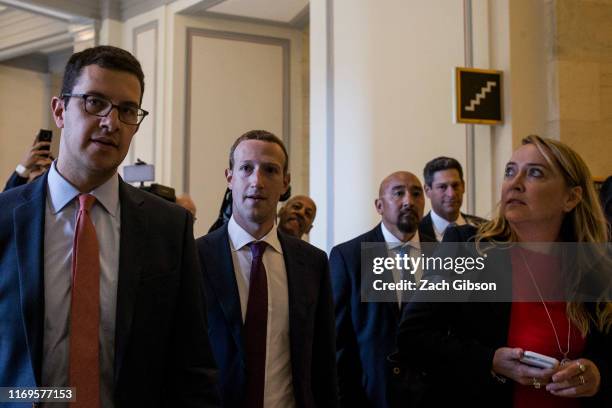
<point x="44" y="135"/>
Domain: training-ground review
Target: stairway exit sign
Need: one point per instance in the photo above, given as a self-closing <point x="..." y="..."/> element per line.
<point x="478" y="96"/>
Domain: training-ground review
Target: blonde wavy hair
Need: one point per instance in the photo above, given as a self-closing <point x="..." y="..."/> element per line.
<point x="585" y="223"/>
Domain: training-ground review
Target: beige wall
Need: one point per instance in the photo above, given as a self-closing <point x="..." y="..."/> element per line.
<point x="144" y="35"/>
<point x="561" y="79"/>
<point x="583" y="65"/>
<point x="178" y="123"/>
<point x="143" y="145"/>
<point x="380" y="95"/>
<point x="390" y="82"/>
<point x="387" y="72"/>
<point x="24" y="97"/>
<point x="305" y="153"/>
<point x="198" y="109"/>
<point x="235" y="86"/>
<point x="530" y="56"/>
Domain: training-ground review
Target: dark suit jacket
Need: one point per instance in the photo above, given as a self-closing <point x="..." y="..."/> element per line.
<point x="454" y="343"/>
<point x="365" y="330"/>
<point x="427" y="223"/>
<point x="311" y="320"/>
<point x="15" y="181"/>
<point x="162" y="354"/>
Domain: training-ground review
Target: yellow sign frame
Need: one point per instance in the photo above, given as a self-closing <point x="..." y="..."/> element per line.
<point x="461" y="119"/>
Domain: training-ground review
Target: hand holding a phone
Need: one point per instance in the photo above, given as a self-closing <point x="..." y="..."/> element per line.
<point x="576" y="378"/>
<point x="39" y="168"/>
<point x="506" y="362"/>
<point x="38" y="151"/>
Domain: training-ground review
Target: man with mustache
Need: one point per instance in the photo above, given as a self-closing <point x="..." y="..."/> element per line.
<point x="297" y="215"/>
<point x="444" y="186"/>
<point x="270" y="310"/>
<point x="366" y="330"/>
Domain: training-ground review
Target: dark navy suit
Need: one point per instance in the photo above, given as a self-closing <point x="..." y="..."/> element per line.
<point x="365" y="331"/>
<point x="311" y="320"/>
<point x="15" y="181"/>
<point x="162" y="354"/>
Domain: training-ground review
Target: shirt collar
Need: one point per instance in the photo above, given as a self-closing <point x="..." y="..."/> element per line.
<point x="440" y="223"/>
<point x="239" y="237"/>
<point x="393" y="242"/>
<point x="61" y="192"/>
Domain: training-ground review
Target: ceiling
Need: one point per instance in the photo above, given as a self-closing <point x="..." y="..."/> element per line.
<point x="280" y="11"/>
<point x="48" y="26"/>
<point x="285" y="12"/>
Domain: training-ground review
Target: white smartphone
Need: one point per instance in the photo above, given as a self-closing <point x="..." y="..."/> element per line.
<point x="539" y="360"/>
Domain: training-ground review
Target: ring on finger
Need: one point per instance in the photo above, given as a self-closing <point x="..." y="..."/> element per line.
<point x="536" y="384"/>
<point x="582" y="367"/>
<point x="582" y="380"/>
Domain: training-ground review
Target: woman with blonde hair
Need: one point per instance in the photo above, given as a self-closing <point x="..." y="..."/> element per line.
<point x="474" y="350"/>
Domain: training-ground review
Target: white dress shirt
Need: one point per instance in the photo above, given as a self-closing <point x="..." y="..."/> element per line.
<point x="415" y="251"/>
<point x="278" y="386"/>
<point x="440" y="224"/>
<point x="61" y="211"/>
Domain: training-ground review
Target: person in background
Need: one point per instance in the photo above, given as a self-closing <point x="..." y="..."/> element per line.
<point x="296" y="216"/>
<point x="366" y="330"/>
<point x="270" y="312"/>
<point x="35" y="162"/>
<point x="185" y="201"/>
<point x="444" y="186"/>
<point x="225" y="211"/>
<point x="605" y="196"/>
<point x="471" y="351"/>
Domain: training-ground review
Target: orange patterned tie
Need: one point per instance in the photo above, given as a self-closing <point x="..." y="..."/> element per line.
<point x="85" y="309"/>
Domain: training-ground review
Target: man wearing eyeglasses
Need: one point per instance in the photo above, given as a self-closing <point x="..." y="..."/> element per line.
<point x="99" y="283"/>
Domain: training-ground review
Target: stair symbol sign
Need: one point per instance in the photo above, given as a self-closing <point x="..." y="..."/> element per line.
<point x="480" y="96"/>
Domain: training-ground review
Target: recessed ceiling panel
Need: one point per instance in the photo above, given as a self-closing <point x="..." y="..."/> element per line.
<point x="276" y="10"/>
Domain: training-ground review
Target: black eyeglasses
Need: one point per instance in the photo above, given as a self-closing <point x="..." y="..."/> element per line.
<point x="102" y="107"/>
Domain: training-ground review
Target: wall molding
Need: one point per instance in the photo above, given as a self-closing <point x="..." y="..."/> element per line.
<point x="301" y="19"/>
<point x="136" y="31"/>
<point x="331" y="124"/>
<point x="202" y="9"/>
<point x="133" y="8"/>
<point x="298" y="22"/>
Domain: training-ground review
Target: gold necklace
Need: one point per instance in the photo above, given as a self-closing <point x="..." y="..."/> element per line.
<point x="569" y="325"/>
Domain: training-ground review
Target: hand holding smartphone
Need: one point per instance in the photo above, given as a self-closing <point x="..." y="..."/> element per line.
<point x="539" y="360"/>
<point x="44" y="135"/>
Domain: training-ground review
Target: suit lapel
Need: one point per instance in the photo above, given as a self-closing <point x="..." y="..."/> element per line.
<point x="426" y="230"/>
<point x="501" y="310"/>
<point x="131" y="252"/>
<point x="299" y="285"/>
<point x="380" y="250"/>
<point x="499" y="270"/>
<point x="222" y="278"/>
<point x="29" y="219"/>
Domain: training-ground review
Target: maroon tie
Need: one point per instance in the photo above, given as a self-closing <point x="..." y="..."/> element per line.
<point x="85" y="309"/>
<point x="256" y="327"/>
